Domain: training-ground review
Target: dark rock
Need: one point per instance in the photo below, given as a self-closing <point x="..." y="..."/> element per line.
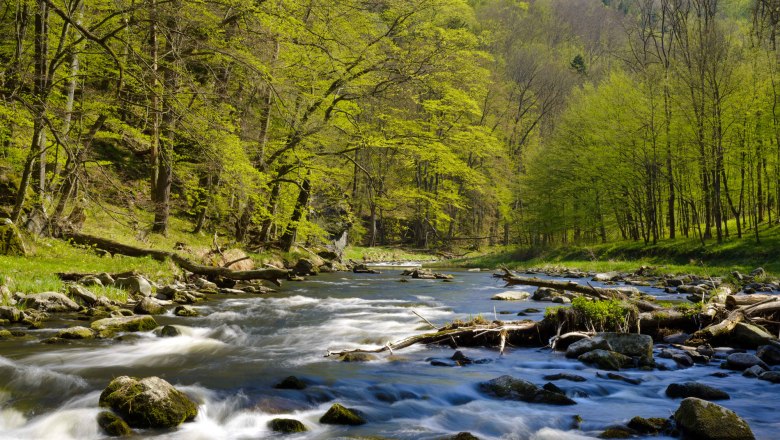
<point x="695" y="389"/>
<point x="653" y="425"/>
<point x="565" y="376"/>
<point x="549" y="386"/>
<point x="626" y="379"/>
<point x="606" y="360"/>
<point x="168" y="331"/>
<point x="630" y="344"/>
<point x="286" y="426"/>
<point x="767" y="353"/>
<point x="150" y="402"/>
<point x="677" y="338"/>
<point x="291" y="383"/>
<point x="749" y="335"/>
<point x="463" y="436"/>
<point x="304" y="267"/>
<point x="742" y="361"/>
<point x="704" y="420"/>
<point x="339" y="415"/>
<point x="770" y="376"/>
<point x="754" y="371"/>
<point x="683" y="359"/>
<point x="113" y="425"/>
<point x="508" y="387"/>
<point x="617" y="432"/>
<point x="357" y="357"/>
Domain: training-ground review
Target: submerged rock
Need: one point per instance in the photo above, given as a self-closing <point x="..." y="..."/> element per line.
<point x="150" y="402"/>
<point x="606" y="360"/>
<point x="463" y="436"/>
<point x="695" y="389"/>
<point x="339" y="415"/>
<point x="291" y="383"/>
<point x="107" y="327"/>
<point x="704" y="420"/>
<point x="287" y="426"/>
<point x="565" y="376"/>
<point x="508" y="387"/>
<point x="113" y="425"/>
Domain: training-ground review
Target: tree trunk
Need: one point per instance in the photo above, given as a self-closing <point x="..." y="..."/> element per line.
<point x="290" y="234"/>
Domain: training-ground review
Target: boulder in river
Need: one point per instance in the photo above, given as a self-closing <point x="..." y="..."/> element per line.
<point x="287" y="426"/>
<point x="291" y="383"/>
<point x="770" y="376"/>
<point x="150" y="402"/>
<point x="53" y="302"/>
<point x="76" y="333"/>
<point x="583" y="346"/>
<point x="463" y="436"/>
<point x="508" y="387"/>
<point x="186" y="311"/>
<point x="695" y="389"/>
<point x="747" y="335"/>
<point x="340" y="415"/>
<point x="357" y="357"/>
<point x="606" y="360"/>
<point x="511" y="295"/>
<point x="742" y="361"/>
<point x="148" y="306"/>
<point x="652" y="425"/>
<point x="703" y="420"/>
<point x="11" y="314"/>
<point x="630" y="344"/>
<point x="769" y="354"/>
<point x="107" y="327"/>
<point x="113" y="425"/>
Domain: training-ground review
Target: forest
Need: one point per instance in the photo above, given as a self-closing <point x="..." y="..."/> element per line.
<point x="430" y="123"/>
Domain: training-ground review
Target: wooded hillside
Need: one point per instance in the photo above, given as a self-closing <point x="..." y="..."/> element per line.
<point x="425" y="122"/>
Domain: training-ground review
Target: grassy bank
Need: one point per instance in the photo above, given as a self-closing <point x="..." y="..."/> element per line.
<point x="668" y="256"/>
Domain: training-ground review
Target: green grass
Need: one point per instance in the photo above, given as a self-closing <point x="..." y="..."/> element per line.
<point x="681" y="256"/>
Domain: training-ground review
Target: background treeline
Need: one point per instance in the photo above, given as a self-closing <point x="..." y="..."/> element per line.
<point x="427" y="122"/>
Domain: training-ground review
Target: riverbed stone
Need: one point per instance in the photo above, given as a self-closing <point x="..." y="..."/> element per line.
<point x="82" y="294"/>
<point x="753" y="372"/>
<point x="287" y="426"/>
<point x="340" y="415"/>
<point x="606" y="360"/>
<point x="77" y="332"/>
<point x="185" y="311"/>
<point x="11" y="241"/>
<point x="508" y="387"/>
<point x="565" y="376"/>
<point x="617" y="432"/>
<point x="52" y="302"/>
<point x="747" y="335"/>
<point x="629" y="344"/>
<point x="695" y="389"/>
<point x="743" y="361"/>
<point x="148" y="306"/>
<point x="167" y="331"/>
<point x="357" y="357"/>
<point x="135" y="285"/>
<point x="462" y="436"/>
<point x="770" y="354"/>
<point x="652" y="425"/>
<point x="703" y="420"/>
<point x="107" y="327"/>
<point x="770" y="376"/>
<point x="583" y="346"/>
<point x="150" y="402"/>
<point x="511" y="295"/>
<point x="291" y="383"/>
<point x="113" y="425"/>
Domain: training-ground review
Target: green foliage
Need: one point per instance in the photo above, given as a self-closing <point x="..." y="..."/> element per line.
<point x="604" y="315"/>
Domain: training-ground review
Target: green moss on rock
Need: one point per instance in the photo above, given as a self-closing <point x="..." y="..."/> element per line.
<point x="705" y="420"/>
<point x="287" y="426"/>
<point x="113" y="425"/>
<point x="107" y="327"/>
<point x="339" y="415"/>
<point x="148" y="403"/>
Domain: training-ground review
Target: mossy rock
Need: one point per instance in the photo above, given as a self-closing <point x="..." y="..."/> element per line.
<point x="11" y="241"/>
<point x="606" y="360"/>
<point x="652" y="425"/>
<point x="287" y="426"/>
<point x="618" y="432"/>
<point x="76" y="333"/>
<point x="339" y="415"/>
<point x="357" y="357"/>
<point x="150" y="402"/>
<point x="107" y="327"/>
<point x="705" y="420"/>
<point x="113" y="425"/>
<point x="5" y="334"/>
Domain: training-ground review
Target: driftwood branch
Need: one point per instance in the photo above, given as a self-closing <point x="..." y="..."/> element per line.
<point x="273" y="275"/>
<point x="445" y="334"/>
<point x="595" y="292"/>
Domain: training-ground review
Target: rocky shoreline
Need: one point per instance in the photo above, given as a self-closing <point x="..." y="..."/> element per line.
<point x="753" y="352"/>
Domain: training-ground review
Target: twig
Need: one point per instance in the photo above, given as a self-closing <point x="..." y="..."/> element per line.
<point x="428" y="322"/>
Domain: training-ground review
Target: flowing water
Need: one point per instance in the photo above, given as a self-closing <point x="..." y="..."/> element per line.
<point x="230" y="358"/>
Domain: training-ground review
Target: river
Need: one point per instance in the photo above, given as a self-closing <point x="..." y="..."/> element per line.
<point x="230" y="358"/>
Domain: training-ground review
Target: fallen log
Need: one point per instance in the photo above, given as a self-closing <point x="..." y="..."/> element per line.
<point x="734" y="301"/>
<point x="503" y="330"/>
<point x="273" y="275"/>
<point x="722" y="328"/>
<point x="595" y="292"/>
